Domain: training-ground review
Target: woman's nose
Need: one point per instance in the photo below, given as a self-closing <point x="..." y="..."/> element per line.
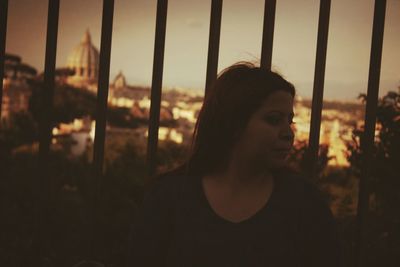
<point x="287" y="133"/>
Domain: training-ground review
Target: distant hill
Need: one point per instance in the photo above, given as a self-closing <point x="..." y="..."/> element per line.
<point x="345" y="106"/>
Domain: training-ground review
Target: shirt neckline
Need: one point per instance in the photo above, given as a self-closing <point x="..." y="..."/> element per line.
<point x="253" y="218"/>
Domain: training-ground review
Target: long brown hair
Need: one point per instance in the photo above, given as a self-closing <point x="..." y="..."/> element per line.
<point x="236" y="94"/>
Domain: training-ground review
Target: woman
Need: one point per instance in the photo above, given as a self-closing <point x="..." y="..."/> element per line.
<point x="234" y="203"/>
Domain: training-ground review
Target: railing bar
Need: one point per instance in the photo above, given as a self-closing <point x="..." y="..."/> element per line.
<point x="103" y="84"/>
<point x="101" y="114"/>
<point x="3" y="33"/>
<point x="318" y="89"/>
<point x="213" y="43"/>
<point x="268" y="34"/>
<point x="156" y="86"/>
<point x="367" y="139"/>
<point x="45" y="186"/>
<point x="49" y="73"/>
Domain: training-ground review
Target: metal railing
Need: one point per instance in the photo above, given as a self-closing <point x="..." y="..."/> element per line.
<point x="45" y="187"/>
<point x="367" y="140"/>
<point x="213" y="43"/>
<point x="3" y="30"/>
<point x="158" y="65"/>
<point x="212" y="64"/>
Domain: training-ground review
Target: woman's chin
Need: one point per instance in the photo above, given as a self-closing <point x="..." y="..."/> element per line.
<point x="278" y="162"/>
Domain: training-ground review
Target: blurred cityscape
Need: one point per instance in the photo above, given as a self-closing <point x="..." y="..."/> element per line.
<point x="179" y="106"/>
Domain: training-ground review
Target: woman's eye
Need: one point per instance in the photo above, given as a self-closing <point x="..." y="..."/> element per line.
<point x="273" y="120"/>
<point x="276" y="119"/>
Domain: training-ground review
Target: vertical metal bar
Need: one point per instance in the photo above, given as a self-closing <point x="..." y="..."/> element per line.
<point x="367" y="140"/>
<point x="268" y="34"/>
<point x="213" y="43"/>
<point x="318" y="90"/>
<point x="158" y="65"/>
<point x="101" y="117"/>
<point x="46" y="122"/>
<point x="44" y="189"/>
<point x="3" y="32"/>
<point x="103" y="84"/>
<point x="49" y="73"/>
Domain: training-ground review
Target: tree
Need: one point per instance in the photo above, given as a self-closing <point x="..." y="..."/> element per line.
<point x="384" y="180"/>
<point x="69" y="102"/>
<point x="298" y="159"/>
<point x="20" y="129"/>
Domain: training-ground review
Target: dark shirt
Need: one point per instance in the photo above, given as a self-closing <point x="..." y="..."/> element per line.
<point x="178" y="227"/>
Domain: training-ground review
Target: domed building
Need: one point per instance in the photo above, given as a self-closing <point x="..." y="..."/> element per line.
<point x="84" y="61"/>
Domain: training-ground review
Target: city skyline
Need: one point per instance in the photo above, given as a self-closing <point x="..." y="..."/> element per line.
<point x="187" y="40"/>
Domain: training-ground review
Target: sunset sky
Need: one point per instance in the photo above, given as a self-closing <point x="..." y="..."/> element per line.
<point x="187" y="40"/>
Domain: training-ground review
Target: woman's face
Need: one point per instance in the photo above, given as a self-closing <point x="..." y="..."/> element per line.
<point x="268" y="137"/>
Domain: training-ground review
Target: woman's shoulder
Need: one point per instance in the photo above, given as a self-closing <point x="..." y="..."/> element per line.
<point x="168" y="184"/>
<point x="307" y="194"/>
<point x="317" y="230"/>
<point x="164" y="183"/>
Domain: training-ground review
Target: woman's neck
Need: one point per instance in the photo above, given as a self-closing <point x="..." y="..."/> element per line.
<point x="236" y="194"/>
<point x="239" y="176"/>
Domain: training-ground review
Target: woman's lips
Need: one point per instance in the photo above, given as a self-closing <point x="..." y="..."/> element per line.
<point x="282" y="152"/>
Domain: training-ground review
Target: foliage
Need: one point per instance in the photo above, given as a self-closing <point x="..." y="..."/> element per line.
<point x="384" y="180"/>
<point x="19" y="129"/>
<point x="384" y="175"/>
<point x="69" y="103"/>
<point x="123" y="118"/>
<point x="299" y="161"/>
<point x="64" y="217"/>
<point x="74" y="103"/>
<point x="171" y="155"/>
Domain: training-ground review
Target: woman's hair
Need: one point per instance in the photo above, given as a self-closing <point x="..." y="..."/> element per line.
<point x="236" y="94"/>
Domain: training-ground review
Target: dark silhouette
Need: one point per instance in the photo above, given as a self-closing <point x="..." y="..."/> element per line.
<point x="234" y="202"/>
<point x="383" y="237"/>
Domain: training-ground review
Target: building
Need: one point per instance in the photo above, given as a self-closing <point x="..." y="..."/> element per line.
<point x="84" y="62"/>
<point x="16" y="90"/>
